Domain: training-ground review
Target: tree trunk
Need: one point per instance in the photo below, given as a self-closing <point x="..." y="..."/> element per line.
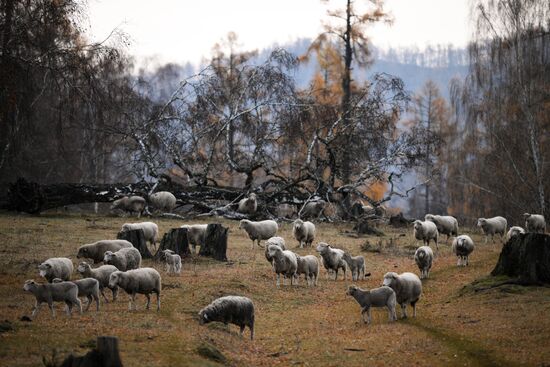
<point x="106" y="354"/>
<point x="137" y="238"/>
<point x="175" y="240"/>
<point x="215" y="243"/>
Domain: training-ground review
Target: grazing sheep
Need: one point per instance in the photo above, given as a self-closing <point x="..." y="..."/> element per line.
<point x="248" y="205"/>
<point x="284" y="262"/>
<point x="313" y="209"/>
<point x="333" y="258"/>
<point x="173" y="262"/>
<point x="143" y="281"/>
<point x="277" y="241"/>
<point x="377" y="297"/>
<point x="101" y="274"/>
<point x="96" y="251"/>
<point x="535" y="223"/>
<point x="462" y="248"/>
<point x="259" y="230"/>
<point x="492" y="226"/>
<point x="196" y="233"/>
<point x="445" y="224"/>
<point x="163" y="201"/>
<point x="150" y="230"/>
<point x="54" y="292"/>
<point x="56" y="267"/>
<point x="87" y="287"/>
<point x="124" y="259"/>
<point x="230" y="309"/>
<point x="407" y="287"/>
<point x="514" y="231"/>
<point x="423" y="257"/>
<point x="357" y="266"/>
<point x="130" y="204"/>
<point x="426" y="231"/>
<point x="309" y="266"/>
<point x="304" y="232"/>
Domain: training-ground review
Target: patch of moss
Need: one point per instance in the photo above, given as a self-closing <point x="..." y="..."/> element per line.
<point x="493" y="282"/>
<point x="209" y="351"/>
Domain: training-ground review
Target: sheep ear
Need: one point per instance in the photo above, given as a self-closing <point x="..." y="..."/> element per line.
<point x="205" y="316"/>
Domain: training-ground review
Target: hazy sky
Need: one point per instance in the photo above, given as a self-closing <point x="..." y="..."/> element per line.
<point x="186" y="30"/>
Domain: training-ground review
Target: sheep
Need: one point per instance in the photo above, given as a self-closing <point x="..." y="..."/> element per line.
<point x="124" y="259"/>
<point x="87" y="287"/>
<point x="492" y="226"/>
<point x="230" y="309"/>
<point x="407" y="287"/>
<point x="304" y="232"/>
<point x="535" y="223"/>
<point x="423" y="257"/>
<point x="259" y="230"/>
<point x="462" y="248"/>
<point x="248" y="205"/>
<point x="144" y="281"/>
<point x="196" y="233"/>
<point x="130" y="204"/>
<point x="163" y="201"/>
<point x="333" y="258"/>
<point x="309" y="266"/>
<point x="101" y="274"/>
<point x="277" y="241"/>
<point x="150" y="230"/>
<point x="426" y="231"/>
<point x="377" y="297"/>
<point x="284" y="262"/>
<point x="96" y="250"/>
<point x="56" y="267"/>
<point x="53" y="292"/>
<point x="445" y="224"/>
<point x="173" y="262"/>
<point x="514" y="231"/>
<point x="313" y="209"/>
<point x="357" y="266"/>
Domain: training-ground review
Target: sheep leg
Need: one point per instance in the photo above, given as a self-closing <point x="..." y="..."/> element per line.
<point x="336" y="274"/>
<point x="363" y="311"/>
<point x="36" y="308"/>
<point x="89" y="298"/>
<point x="278" y="283"/>
<point x="413" y="304"/>
<point x="52" y="308"/>
<point x="96" y="297"/>
<point x="69" y="308"/>
<point x="79" y="304"/>
<point x="242" y="330"/>
<point x="251" y="332"/>
<point x="148" y="301"/>
<point x="102" y="291"/>
<point x="158" y="301"/>
<point x="132" y="300"/>
<point x="404" y="310"/>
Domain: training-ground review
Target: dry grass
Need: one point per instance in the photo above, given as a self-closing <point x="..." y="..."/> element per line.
<point x="294" y="326"/>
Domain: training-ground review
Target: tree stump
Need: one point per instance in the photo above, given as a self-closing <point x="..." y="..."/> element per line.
<point x="106" y="354"/>
<point x="215" y="243"/>
<point x="175" y="240"/>
<point x="137" y="238"/>
<point x="527" y="258"/>
<point x="399" y="221"/>
<point x="363" y="227"/>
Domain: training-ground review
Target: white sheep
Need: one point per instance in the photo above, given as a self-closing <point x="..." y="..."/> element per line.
<point x="143" y="281"/>
<point x="248" y="205"/>
<point x="514" y="231"/>
<point x="96" y="250"/>
<point x="284" y="262"/>
<point x="150" y="230"/>
<point x="462" y="248"/>
<point x="492" y="226"/>
<point x="377" y="297"/>
<point x="130" y="204"/>
<point x="357" y="266"/>
<point x="423" y="257"/>
<point x="172" y="261"/>
<point x="304" y="232"/>
<point x="124" y="259"/>
<point x="426" y="231"/>
<point x="196" y="234"/>
<point x="163" y="201"/>
<point x="277" y="241"/>
<point x="535" y="223"/>
<point x="445" y="224"/>
<point x="259" y="230"/>
<point x="333" y="258"/>
<point x="54" y="292"/>
<point x="87" y="287"/>
<point x="407" y="287"/>
<point x="56" y="267"/>
<point x="101" y="274"/>
<point x="309" y="266"/>
<point x="313" y="209"/>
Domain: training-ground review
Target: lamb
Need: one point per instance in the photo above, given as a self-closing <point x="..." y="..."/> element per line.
<point x="173" y="262"/>
<point x="333" y="258"/>
<point x="284" y="262"/>
<point x="423" y="257"/>
<point x="130" y="204"/>
<point x="445" y="224"/>
<point x="313" y="209"/>
<point x="96" y="251"/>
<point x="150" y="230"/>
<point x="196" y="233"/>
<point x="309" y="266"/>
<point x="277" y="241"/>
<point x="124" y="259"/>
<point x="248" y="205"/>
<point x="259" y="230"/>
<point x="426" y="231"/>
<point x="53" y="292"/>
<point x="56" y="267"/>
<point x="492" y="226"/>
<point x="230" y="309"/>
<point x="514" y="231"/>
<point x="407" y="287"/>
<point x="357" y="266"/>
<point x="535" y="223"/>
<point x="87" y="287"/>
<point x="163" y="201"/>
<point x="377" y="297"/>
<point x="304" y="232"/>
<point x="101" y="274"/>
<point x="144" y="281"/>
<point x="463" y="247"/>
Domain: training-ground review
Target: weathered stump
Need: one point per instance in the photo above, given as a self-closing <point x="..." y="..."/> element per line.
<point x="137" y="238"/>
<point x="363" y="227"/>
<point x="399" y="221"/>
<point x="215" y="242"/>
<point x="106" y="354"/>
<point x="175" y="240"/>
<point x="527" y="258"/>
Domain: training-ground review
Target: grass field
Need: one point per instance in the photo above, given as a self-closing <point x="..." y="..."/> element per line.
<point x="456" y="325"/>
